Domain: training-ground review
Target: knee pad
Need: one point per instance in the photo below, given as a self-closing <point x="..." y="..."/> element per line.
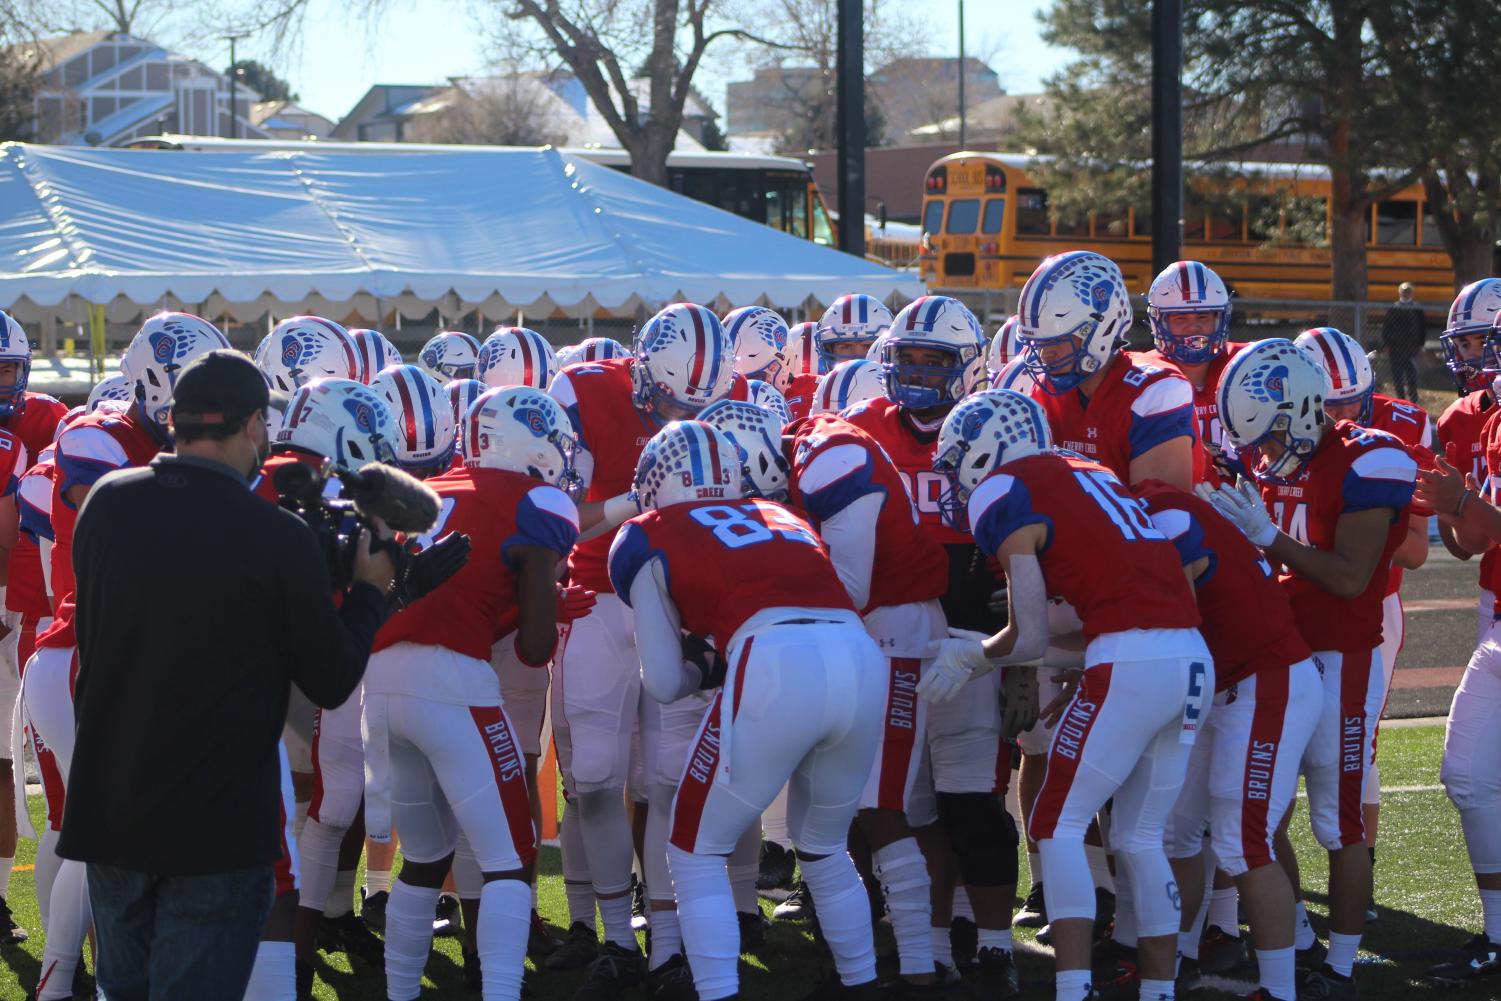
<point x="983" y="837"/>
<point x="1155" y="892"/>
<point x="1464" y="791"/>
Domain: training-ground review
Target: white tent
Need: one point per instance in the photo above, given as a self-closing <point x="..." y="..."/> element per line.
<point x="247" y="233"/>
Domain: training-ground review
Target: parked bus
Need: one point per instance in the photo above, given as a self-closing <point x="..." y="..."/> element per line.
<point x="778" y="191"/>
<point x="986" y="225"/>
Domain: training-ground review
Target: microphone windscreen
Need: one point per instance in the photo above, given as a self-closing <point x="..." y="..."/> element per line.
<point x="399" y="499"/>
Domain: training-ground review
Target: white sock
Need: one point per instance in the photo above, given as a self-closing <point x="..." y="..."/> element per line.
<point x="67" y="927"/>
<point x="5" y="866"/>
<point x="943" y="947"/>
<point x="576" y="883"/>
<point x="666" y="936"/>
<point x="1303" y="936"/>
<point x="1490" y="904"/>
<point x="1188" y="944"/>
<point x="377" y="881"/>
<point x="962" y="907"/>
<point x="1158" y="990"/>
<point x="903" y="875"/>
<point x="1278" y="972"/>
<point x="1342" y="949"/>
<point x="706" y="913"/>
<point x="1072" y="985"/>
<point x="580" y="903"/>
<point x="1224" y="911"/>
<point x="318" y="863"/>
<point x="505" y="919"/>
<point x="1125" y="908"/>
<point x="1099" y="868"/>
<point x="47" y="863"/>
<point x="995" y="938"/>
<point x="844" y="915"/>
<point x="274" y="975"/>
<point x="744" y="867"/>
<point x="606" y="835"/>
<point x="341" y="898"/>
<point x="1034" y="867"/>
<point x="409" y="938"/>
<point x="615" y="912"/>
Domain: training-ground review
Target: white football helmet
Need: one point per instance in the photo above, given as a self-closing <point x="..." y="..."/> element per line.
<point x="301" y="348"/>
<point x="1272" y="393"/>
<point x="684" y="362"/>
<point x="523" y="430"/>
<point x="852" y="381"/>
<point x="687" y="461"/>
<point x="759" y="338"/>
<point x="113" y="387"/>
<point x="940" y="323"/>
<point x="1346" y="365"/>
<point x="341" y="420"/>
<point x="756" y="434"/>
<point x="461" y="395"/>
<point x="802" y="351"/>
<point x="276" y="413"/>
<point x="516" y="356"/>
<point x="1188" y="307"/>
<point x="878" y="348"/>
<point x="165" y="344"/>
<point x="450" y="355"/>
<point x="1474" y="311"/>
<point x="373" y="353"/>
<point x="1078" y="299"/>
<point x="425" y="429"/>
<point x="987" y="430"/>
<point x="1004" y="347"/>
<point x="857" y="320"/>
<point x="591" y="349"/>
<point x="14" y="347"/>
<point x="764" y="394"/>
<point x="1015" y="376"/>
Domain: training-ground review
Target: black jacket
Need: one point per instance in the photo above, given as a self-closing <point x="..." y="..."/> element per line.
<point x="1404" y="329"/>
<point x="199" y="604"/>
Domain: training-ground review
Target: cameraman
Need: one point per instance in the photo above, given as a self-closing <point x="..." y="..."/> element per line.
<point x="199" y="605"/>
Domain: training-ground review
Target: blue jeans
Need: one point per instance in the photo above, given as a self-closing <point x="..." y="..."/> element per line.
<point x="163" y="938"/>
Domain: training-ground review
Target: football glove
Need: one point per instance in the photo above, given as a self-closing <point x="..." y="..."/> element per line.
<point x="1243" y="506"/>
<point x="955" y="661"/>
<point x="700" y="652"/>
<point x="422" y="573"/>
<point x="1019" y="708"/>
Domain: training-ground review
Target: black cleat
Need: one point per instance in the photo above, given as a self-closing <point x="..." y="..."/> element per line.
<point x="753" y="927"/>
<point x="798" y="906"/>
<point x="638" y="905"/>
<point x="1477" y="958"/>
<point x="578" y="949"/>
<point x="1326" y="985"/>
<point x="540" y="941"/>
<point x="1034" y="912"/>
<point x="1104" y="912"/>
<point x="1371" y="914"/>
<point x="447" y="919"/>
<point x="996" y="977"/>
<point x="373" y="909"/>
<point x="1219" y="951"/>
<point x="348" y="934"/>
<point x="777" y="866"/>
<point x="304" y="981"/>
<point x="474" y="977"/>
<point x="1310" y="959"/>
<point x="1115" y="969"/>
<point x="672" y="981"/>
<point x="614" y="971"/>
<point x="10" y="932"/>
<point x="964" y="939"/>
<point x="1190" y="979"/>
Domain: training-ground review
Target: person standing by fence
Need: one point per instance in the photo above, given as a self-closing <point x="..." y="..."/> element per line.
<point x="1403" y="333"/>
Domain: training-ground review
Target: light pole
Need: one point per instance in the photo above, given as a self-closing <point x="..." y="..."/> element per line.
<point x="234" y="89"/>
<point x="962" y="122"/>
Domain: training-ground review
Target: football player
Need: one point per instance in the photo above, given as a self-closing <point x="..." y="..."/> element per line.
<point x="847" y="384"/>
<point x="799" y="691"/>
<point x="450" y="355"/>
<point x="301" y="348"/>
<point x="433" y="704"/>
<point x="1331" y="510"/>
<point x="516" y="356"/>
<point x="759" y="338"/>
<point x="1005" y="347"/>
<point x="849" y="327"/>
<point x="374" y="353"/>
<point x="804" y="366"/>
<point x="591" y="349"/>
<point x="425" y="432"/>
<point x="1051" y="519"/>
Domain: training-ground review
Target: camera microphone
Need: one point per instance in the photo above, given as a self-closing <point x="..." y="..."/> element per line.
<point x="299" y="482"/>
<point x="399" y="499"/>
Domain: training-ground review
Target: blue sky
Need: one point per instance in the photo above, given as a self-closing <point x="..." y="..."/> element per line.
<point x="426" y="41"/>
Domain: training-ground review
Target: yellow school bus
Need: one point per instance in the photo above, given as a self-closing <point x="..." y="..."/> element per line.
<point x="985" y="225"/>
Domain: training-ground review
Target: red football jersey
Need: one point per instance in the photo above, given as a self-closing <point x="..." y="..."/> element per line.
<point x="911" y="451"/>
<point x="834" y="464"/>
<point x="26" y="592"/>
<point x="264" y="484"/>
<point x="597" y="396"/>
<point x="1206" y="406"/>
<point x="799" y="395"/>
<point x="94" y="444"/>
<point x="476" y="607"/>
<point x="1353" y="469"/>
<point x="1248" y="621"/>
<point x="1103" y="555"/>
<point x="37" y="422"/>
<point x="1410" y="424"/>
<point x="727" y="561"/>
<point x="1461" y="438"/>
<point x="1134" y="409"/>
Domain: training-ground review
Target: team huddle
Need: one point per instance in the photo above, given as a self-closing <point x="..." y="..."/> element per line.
<point x="814" y="594"/>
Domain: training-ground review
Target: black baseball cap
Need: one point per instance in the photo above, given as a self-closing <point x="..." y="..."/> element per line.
<point x="219" y="389"/>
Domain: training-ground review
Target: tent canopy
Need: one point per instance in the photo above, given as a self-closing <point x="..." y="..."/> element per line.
<point x="247" y="232"/>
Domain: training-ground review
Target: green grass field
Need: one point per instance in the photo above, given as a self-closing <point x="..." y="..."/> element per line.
<point x="1423" y="889"/>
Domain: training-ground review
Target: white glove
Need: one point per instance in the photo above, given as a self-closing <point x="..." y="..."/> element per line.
<point x="1242" y="505"/>
<point x="955" y="661"/>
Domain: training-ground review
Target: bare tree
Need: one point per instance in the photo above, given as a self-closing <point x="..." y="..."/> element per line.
<point x="515" y="109"/>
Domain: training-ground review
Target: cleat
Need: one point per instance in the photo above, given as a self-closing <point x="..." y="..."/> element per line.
<point x="1326" y="985"/>
<point x="578" y="949"/>
<point x="348" y="934"/>
<point x="10" y="932"/>
<point x="614" y="971"/>
<point x="753" y="927"/>
<point x="1371" y="913"/>
<point x="996" y="978"/>
<point x="1190" y="979"/>
<point x="540" y="941"/>
<point x="304" y="981"/>
<point x="474" y="977"/>
<point x="964" y="939"/>
<point x="1104" y="912"/>
<point x="798" y="906"/>
<point x="672" y="981"/>
<point x="638" y="905"/>
<point x="1034" y="912"/>
<point x="947" y="975"/>
<point x="1114" y="969"/>
<point x="1219" y="951"/>
<point x="447" y="921"/>
<point x="1310" y="959"/>
<point x="777" y="865"/>
<point x="373" y="909"/>
<point x="1477" y="958"/>
<point x="905" y="990"/>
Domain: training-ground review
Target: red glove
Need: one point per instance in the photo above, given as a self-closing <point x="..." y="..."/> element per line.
<point x="574" y="602"/>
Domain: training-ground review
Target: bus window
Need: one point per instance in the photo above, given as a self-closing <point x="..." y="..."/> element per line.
<point x="1031" y="212"/>
<point x="1078" y="227"/>
<point x="1141" y="224"/>
<point x="1431" y="236"/>
<point x="823" y="230"/>
<point x="1110" y="224"/>
<point x="1306" y="220"/>
<point x="1397" y="223"/>
<point x="1264" y="218"/>
<point x="963" y="214"/>
<point x="995" y="214"/>
<point x="932" y="216"/>
<point x="1224" y="224"/>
